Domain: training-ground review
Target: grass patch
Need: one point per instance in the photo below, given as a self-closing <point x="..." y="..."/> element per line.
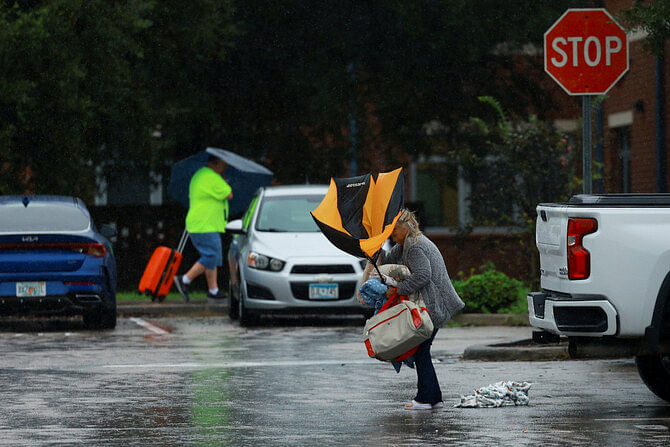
<point x="134" y="297"/>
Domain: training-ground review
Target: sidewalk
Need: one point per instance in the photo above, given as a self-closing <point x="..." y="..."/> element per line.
<point x="201" y="307"/>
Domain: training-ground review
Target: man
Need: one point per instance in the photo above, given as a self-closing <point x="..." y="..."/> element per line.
<point x="207" y="216"/>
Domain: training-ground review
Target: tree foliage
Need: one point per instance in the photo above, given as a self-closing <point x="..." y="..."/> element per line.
<point x="393" y="66"/>
<point x="136" y="84"/>
<point x="513" y="166"/>
<point x="653" y="17"/>
<point x="87" y="82"/>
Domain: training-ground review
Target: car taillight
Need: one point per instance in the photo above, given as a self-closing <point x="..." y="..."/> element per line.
<point x="97" y="250"/>
<point x="579" y="258"/>
<point x="93" y="248"/>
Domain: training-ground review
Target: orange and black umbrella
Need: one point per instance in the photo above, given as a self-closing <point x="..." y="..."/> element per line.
<point x="359" y="213"/>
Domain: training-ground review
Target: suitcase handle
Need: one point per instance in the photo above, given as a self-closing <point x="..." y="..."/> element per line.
<point x="182" y="241"/>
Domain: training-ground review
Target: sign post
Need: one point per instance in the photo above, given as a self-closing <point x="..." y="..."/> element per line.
<point x="586" y="53"/>
<point x="586" y="144"/>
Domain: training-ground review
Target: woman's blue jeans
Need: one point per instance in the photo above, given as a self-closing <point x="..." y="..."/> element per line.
<point x="429" y="389"/>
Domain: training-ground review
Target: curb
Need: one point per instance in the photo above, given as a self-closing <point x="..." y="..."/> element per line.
<point x="517" y="350"/>
<point x="211" y="309"/>
<point x="491" y="319"/>
<point x="173" y="310"/>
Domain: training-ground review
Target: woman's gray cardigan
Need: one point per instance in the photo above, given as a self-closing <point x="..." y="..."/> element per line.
<point x="428" y="275"/>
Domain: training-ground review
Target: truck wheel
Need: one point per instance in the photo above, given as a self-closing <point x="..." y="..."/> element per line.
<point x="655" y="373"/>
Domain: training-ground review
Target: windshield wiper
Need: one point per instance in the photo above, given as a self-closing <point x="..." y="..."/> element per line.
<point x="272" y="230"/>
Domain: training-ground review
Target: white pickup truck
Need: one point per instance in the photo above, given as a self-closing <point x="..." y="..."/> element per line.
<point x="605" y="278"/>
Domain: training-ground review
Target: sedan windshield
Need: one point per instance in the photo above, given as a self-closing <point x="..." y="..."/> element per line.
<point x="288" y="214"/>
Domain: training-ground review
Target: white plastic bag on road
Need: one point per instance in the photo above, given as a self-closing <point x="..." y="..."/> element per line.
<point x="501" y="394"/>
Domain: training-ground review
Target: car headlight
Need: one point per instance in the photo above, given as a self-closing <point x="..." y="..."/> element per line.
<point x="262" y="262"/>
<point x="276" y="265"/>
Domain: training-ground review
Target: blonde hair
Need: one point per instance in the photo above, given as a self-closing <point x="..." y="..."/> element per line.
<point x="408" y="220"/>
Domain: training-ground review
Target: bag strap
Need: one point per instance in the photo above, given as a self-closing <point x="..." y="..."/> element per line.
<point x="395" y="299"/>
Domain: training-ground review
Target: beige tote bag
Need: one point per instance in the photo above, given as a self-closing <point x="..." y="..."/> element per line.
<point x="396" y="330"/>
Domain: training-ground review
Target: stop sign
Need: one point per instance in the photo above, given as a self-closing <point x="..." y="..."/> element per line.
<point x="586" y="51"/>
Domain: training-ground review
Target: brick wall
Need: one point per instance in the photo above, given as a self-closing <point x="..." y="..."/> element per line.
<point x="512" y="253"/>
<point x="635" y="92"/>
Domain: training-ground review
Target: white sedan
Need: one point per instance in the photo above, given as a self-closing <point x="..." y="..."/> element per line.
<point x="280" y="261"/>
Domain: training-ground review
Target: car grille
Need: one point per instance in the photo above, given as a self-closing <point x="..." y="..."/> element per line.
<point x="324" y="268"/>
<point x="300" y="290"/>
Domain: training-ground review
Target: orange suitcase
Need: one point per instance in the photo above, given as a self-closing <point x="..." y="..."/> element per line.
<point x="161" y="269"/>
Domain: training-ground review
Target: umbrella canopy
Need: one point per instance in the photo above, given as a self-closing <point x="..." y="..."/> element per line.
<point x="358" y="214"/>
<point x="242" y="174"/>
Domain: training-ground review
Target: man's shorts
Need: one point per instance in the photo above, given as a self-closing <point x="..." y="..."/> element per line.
<point x="209" y="247"/>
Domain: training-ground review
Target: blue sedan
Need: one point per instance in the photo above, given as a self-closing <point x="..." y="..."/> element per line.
<point x="54" y="261"/>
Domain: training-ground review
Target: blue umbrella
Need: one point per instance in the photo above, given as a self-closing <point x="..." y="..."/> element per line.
<point x="242" y="174"/>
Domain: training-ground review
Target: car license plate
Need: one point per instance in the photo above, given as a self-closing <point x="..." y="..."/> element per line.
<point x="323" y="292"/>
<point x="31" y="288"/>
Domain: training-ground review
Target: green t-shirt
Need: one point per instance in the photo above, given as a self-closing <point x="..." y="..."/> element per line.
<point x="208" y="203"/>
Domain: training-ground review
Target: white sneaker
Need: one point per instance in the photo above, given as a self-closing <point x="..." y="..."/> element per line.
<point x="414" y="405"/>
<point x="438" y="405"/>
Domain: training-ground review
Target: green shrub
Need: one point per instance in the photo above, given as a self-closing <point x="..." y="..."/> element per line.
<point x="489" y="292"/>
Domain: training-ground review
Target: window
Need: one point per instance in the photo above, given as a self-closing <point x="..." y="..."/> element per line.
<point x="47" y="217"/>
<point x="442" y="187"/>
<point x="437" y="188"/>
<point x="624" y="152"/>
<point x="288" y="214"/>
<point x="246" y="220"/>
<point x="128" y="187"/>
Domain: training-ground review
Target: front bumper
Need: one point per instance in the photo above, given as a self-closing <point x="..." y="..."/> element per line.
<point x="276" y="291"/>
<point x="572" y="315"/>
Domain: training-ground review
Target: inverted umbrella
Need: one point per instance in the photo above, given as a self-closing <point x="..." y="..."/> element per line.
<point x="359" y="213"/>
<point x="243" y="175"/>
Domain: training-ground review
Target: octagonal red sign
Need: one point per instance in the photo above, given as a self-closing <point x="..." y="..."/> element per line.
<point x="586" y="51"/>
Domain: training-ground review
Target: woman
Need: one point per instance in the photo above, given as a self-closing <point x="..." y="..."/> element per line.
<point x="428" y="275"/>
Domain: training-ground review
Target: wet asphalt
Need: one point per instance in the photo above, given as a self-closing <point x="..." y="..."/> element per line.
<point x="206" y="381"/>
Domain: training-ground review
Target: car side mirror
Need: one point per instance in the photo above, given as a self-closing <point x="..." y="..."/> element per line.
<point x="108" y="231"/>
<point x="235" y="227"/>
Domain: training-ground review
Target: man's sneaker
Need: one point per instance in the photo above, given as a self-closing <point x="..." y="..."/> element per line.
<point x="181" y="287"/>
<point x="218" y="296"/>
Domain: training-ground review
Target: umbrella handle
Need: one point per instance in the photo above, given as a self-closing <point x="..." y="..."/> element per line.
<point x="381" y="277"/>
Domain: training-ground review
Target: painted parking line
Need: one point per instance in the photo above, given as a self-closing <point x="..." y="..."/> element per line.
<point x="148" y="326"/>
<point x="633" y="419"/>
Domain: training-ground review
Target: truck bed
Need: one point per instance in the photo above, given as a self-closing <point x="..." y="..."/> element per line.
<point x="629" y="255"/>
<point x="616" y="200"/>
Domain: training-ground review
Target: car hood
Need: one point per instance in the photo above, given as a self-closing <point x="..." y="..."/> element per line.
<point x="296" y="245"/>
